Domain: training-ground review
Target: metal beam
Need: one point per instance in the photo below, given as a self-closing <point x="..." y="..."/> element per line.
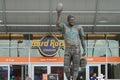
<point x="102" y="12"/>
<point x="4" y="14"/>
<point x="58" y="32"/>
<point x="95" y="17"/>
<point x="50" y="15"/>
<point x="30" y="32"/>
<point x="107" y="25"/>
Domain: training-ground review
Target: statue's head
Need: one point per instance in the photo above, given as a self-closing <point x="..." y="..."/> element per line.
<point x="71" y="20"/>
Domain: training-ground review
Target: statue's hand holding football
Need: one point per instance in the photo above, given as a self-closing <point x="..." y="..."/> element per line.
<point x="59" y="8"/>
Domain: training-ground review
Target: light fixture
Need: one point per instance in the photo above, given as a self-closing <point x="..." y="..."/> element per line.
<point x="103" y="21"/>
<point x="1" y="21"/>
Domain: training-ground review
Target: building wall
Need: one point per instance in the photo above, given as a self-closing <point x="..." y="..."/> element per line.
<point x="18" y="48"/>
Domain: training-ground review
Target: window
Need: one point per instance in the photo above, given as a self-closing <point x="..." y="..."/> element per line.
<point x="96" y="48"/>
<point x="113" y="70"/>
<point x="112" y="48"/>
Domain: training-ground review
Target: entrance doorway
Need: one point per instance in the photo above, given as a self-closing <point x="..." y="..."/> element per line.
<point x="39" y="72"/>
<point x="4" y="70"/>
<point x="18" y="72"/>
<point x="94" y="68"/>
<point x="58" y="70"/>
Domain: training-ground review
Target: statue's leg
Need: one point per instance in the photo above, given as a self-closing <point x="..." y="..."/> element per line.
<point x="67" y="65"/>
<point x="76" y="61"/>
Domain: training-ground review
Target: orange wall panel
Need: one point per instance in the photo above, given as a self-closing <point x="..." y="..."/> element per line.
<point x="56" y="59"/>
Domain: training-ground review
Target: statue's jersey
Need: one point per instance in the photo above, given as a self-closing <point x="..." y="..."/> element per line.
<point x="72" y="34"/>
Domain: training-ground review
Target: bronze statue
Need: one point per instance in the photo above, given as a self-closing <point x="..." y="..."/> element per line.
<point x="74" y="37"/>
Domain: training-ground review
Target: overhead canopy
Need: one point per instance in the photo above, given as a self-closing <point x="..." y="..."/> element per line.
<point x="28" y="16"/>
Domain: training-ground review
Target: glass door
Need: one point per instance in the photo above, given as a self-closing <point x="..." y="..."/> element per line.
<point x="59" y="71"/>
<point x="18" y="72"/>
<point x="39" y="72"/>
<point x="92" y="69"/>
<point x="4" y="70"/>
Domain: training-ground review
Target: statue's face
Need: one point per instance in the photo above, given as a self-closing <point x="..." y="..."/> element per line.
<point x="71" y="21"/>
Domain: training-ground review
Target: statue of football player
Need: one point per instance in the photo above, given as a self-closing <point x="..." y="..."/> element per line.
<point x="74" y="37"/>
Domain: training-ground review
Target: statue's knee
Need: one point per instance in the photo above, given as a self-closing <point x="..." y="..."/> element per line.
<point x="66" y="69"/>
<point x="75" y="69"/>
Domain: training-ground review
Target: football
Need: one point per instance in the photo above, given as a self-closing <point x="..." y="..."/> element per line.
<point x="59" y="7"/>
